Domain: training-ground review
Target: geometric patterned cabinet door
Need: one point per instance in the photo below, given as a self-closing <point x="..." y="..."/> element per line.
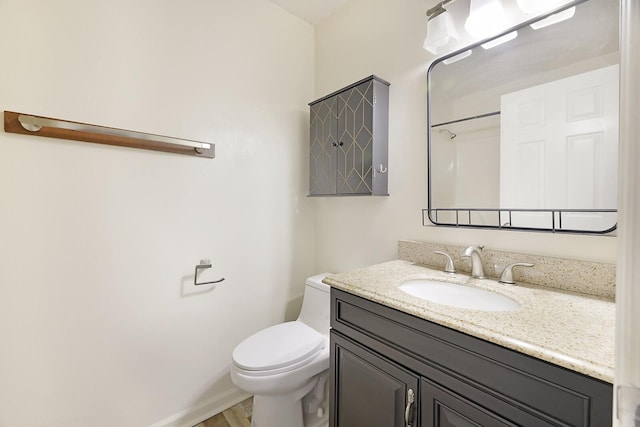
<point x="349" y="140"/>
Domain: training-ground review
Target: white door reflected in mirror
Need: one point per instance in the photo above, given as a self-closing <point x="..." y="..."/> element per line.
<point x="559" y="149"/>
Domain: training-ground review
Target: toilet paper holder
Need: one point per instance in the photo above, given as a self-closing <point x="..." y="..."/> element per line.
<point x="204" y="264"/>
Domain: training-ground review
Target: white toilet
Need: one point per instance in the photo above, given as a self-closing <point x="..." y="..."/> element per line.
<point x="286" y="366"/>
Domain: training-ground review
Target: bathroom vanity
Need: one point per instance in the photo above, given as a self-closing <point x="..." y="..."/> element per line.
<point x="397" y="360"/>
<point x="544" y="124"/>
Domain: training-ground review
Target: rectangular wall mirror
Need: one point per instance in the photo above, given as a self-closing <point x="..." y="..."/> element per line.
<point x="524" y="135"/>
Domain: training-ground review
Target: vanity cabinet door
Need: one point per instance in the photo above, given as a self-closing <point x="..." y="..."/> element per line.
<point x="442" y="408"/>
<point x="368" y="390"/>
<point x="468" y="407"/>
<point x="349" y="140"/>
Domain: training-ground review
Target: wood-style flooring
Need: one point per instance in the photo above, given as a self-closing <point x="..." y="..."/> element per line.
<point x="236" y="416"/>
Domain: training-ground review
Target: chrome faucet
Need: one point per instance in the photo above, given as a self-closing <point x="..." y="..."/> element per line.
<point x="507" y="273"/>
<point x="477" y="270"/>
<point x="448" y="268"/>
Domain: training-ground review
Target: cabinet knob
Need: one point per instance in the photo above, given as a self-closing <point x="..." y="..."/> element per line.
<point x="340" y="143"/>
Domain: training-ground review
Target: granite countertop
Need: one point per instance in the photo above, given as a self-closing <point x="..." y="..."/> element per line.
<point x="572" y="330"/>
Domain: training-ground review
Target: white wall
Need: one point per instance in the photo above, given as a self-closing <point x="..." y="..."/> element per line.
<point x="99" y="322"/>
<point x="627" y="364"/>
<point x="384" y="37"/>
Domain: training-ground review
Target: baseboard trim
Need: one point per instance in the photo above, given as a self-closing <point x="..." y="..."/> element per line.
<point x="198" y="413"/>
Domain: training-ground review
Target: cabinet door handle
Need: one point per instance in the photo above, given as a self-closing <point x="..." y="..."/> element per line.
<point x="408" y="413"/>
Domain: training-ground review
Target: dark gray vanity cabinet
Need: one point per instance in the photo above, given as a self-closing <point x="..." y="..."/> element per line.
<point x="349" y="134"/>
<point x="386" y="365"/>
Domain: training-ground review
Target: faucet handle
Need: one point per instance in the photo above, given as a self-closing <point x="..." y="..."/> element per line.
<point x="507" y="273"/>
<point x="449" y="268"/>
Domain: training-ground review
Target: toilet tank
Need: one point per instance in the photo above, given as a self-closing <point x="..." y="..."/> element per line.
<point x="316" y="304"/>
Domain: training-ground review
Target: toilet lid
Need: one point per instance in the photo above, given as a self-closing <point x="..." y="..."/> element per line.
<point x="278" y="346"/>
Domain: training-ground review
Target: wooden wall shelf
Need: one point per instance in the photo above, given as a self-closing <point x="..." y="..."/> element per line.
<point x="28" y="124"/>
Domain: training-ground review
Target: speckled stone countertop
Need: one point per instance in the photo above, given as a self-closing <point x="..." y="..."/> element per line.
<point x="572" y="330"/>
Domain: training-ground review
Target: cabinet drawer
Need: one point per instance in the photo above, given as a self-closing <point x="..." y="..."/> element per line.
<point x="542" y="389"/>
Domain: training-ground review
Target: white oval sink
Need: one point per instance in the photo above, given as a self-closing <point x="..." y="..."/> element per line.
<point x="460" y="296"/>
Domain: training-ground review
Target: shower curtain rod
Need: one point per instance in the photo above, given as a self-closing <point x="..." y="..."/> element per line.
<point x="481" y="116"/>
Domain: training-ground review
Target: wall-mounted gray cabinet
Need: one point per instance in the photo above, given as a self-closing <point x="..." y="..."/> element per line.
<point x="349" y="140"/>
<point x="391" y="369"/>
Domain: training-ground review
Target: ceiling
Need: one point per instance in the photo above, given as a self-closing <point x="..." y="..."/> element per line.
<point x="312" y="11"/>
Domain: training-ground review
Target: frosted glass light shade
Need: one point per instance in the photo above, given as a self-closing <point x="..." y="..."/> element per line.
<point x="554" y="19"/>
<point x="486" y="18"/>
<point x="539" y="6"/>
<point x="441" y="33"/>
<point x="458" y="57"/>
<point x="500" y="40"/>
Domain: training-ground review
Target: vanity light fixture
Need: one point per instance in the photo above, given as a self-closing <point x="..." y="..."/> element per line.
<point x="486" y="18"/>
<point x="554" y="19"/>
<point x="458" y="57"/>
<point x="536" y="7"/>
<point x="441" y="30"/>
<point x="500" y="40"/>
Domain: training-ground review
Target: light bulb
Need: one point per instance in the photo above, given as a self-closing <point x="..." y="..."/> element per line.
<point x="486" y="18"/>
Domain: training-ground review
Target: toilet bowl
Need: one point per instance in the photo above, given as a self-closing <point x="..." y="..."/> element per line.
<point x="286" y="366"/>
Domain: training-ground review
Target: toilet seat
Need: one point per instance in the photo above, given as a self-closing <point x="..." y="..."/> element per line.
<point x="280" y="348"/>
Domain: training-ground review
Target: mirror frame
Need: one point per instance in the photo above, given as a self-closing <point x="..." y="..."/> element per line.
<point x="556" y="214"/>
